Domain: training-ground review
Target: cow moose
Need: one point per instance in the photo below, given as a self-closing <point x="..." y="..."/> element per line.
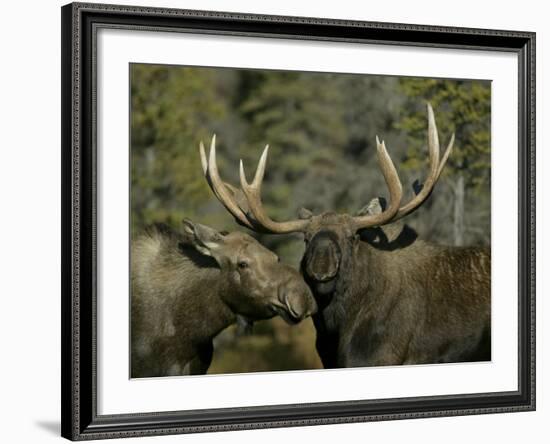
<point x="188" y="286"/>
<point x="399" y="301"/>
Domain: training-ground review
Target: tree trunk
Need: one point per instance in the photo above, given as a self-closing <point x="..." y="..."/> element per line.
<point x="458" y="224"/>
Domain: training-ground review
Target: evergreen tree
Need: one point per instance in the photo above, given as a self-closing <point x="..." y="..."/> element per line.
<point x="462" y="107"/>
<point x="172" y="109"/>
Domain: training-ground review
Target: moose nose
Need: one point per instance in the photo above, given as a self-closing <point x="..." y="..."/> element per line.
<point x="323" y="261"/>
<point x="299" y="302"/>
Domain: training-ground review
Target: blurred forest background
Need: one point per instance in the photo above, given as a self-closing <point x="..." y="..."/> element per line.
<point x="321" y="128"/>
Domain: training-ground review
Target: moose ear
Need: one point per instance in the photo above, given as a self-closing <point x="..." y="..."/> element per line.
<point x="304" y="213"/>
<point x="206" y="240"/>
<point x="375" y="206"/>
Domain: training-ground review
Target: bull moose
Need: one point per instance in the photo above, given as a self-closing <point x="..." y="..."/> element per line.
<point x="188" y="286"/>
<point x="380" y="303"/>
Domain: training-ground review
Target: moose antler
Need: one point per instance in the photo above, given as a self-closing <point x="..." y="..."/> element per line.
<point x="252" y="214"/>
<point x="394" y="186"/>
<point x="231" y="198"/>
<point x="253" y="196"/>
<point x="236" y="201"/>
<point x="436" y="167"/>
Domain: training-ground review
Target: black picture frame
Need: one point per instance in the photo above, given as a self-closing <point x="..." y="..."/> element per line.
<point x="78" y="333"/>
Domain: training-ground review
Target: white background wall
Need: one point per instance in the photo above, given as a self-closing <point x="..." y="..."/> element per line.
<point x="30" y="220"/>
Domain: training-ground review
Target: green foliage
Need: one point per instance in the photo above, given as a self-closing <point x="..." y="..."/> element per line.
<point x="273" y="346"/>
<point x="299" y="115"/>
<point x="462" y="107"/>
<point x="171" y="109"/>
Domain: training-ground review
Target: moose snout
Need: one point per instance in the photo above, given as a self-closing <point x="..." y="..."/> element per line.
<point x="298" y="301"/>
<point x="322" y="260"/>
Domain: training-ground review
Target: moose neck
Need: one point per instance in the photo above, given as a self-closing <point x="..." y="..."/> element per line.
<point x="225" y="315"/>
<point x="211" y="314"/>
<point x="359" y="276"/>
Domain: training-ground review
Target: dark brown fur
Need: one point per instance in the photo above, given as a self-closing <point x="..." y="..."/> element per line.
<point x="395" y="299"/>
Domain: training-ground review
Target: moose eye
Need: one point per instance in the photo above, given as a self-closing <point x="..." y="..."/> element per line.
<point x="242" y="265"/>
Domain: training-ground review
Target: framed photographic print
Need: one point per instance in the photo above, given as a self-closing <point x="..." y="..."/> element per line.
<point x="280" y="221"/>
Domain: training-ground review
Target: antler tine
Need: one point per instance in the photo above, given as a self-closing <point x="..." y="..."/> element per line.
<point x="436" y="167"/>
<point x="210" y="169"/>
<point x="258" y="176"/>
<point x="394" y="186"/>
<point x="252" y="193"/>
<point x="204" y="162"/>
<point x="448" y="152"/>
<point x="260" y="171"/>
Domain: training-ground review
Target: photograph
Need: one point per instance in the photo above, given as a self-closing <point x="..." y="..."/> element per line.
<point x="294" y="220"/>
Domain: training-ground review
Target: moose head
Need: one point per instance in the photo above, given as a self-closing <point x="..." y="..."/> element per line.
<point x="258" y="285"/>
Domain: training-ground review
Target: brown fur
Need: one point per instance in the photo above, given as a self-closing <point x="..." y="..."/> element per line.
<point x="395" y="299"/>
<point x="187" y="287"/>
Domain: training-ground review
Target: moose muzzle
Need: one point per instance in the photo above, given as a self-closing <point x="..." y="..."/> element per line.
<point x="296" y="302"/>
<point x="322" y="258"/>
